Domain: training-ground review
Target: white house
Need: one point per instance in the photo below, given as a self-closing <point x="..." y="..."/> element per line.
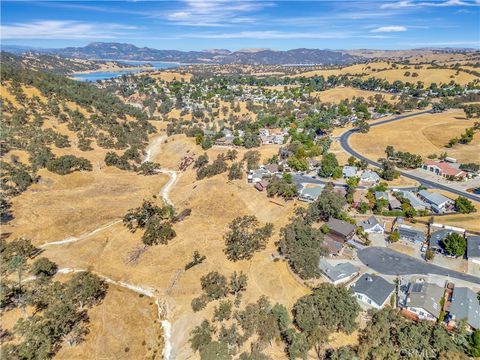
<point x="424" y="300"/>
<point x="372" y="226"/>
<point x="338" y="274"/>
<point x="372" y="290"/>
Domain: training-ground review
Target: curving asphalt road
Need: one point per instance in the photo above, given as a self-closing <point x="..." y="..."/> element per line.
<point x="428" y="183"/>
<point x="391" y="262"/>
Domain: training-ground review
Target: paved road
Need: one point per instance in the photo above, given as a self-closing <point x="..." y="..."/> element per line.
<point x="391" y="262"/>
<point x="299" y="179"/>
<point x="428" y="183"/>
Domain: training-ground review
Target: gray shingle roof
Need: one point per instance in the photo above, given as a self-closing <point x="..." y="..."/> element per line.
<point x="370" y="223"/>
<point x="434" y="198"/>
<point x="375" y="287"/>
<point x="414" y="200"/>
<point x="437" y="237"/>
<point x="349" y="171"/>
<point x="465" y="305"/>
<point x="340" y="226"/>
<point x="337" y="272"/>
<point x="473" y="246"/>
<point x="426" y="296"/>
<point x="411" y="234"/>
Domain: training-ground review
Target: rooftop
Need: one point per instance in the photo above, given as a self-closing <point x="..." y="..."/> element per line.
<point x="375" y="287"/>
<point x="434" y="198"/>
<point x="465" y="305"/>
<point x="337" y="272"/>
<point x="340" y="226"/>
<point x="473" y="246"/>
<point x="426" y="296"/>
<point x="446" y="168"/>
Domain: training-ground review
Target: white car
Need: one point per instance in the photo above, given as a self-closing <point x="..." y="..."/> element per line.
<point x="424" y="248"/>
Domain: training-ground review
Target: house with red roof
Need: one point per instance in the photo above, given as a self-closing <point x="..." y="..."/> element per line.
<point x="443" y="169"/>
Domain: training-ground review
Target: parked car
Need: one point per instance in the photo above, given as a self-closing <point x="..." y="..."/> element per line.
<point x="424" y="248"/>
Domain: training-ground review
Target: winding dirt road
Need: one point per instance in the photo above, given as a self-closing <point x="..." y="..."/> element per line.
<point x="146" y="291"/>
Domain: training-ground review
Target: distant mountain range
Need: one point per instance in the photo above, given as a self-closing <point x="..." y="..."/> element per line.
<point x="121" y="51"/>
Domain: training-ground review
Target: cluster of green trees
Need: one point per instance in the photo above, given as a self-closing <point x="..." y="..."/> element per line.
<point x="471" y="110"/>
<point x="465" y="138"/>
<point x="245" y="237"/>
<point x="156" y="221"/>
<point x="300" y="242"/>
<point x="316" y="316"/>
<point x="455" y="244"/>
<point x="218" y="166"/>
<point x="388" y="335"/>
<point x="67" y="164"/>
<point x="282" y="187"/>
<point x="464" y="206"/>
<point x="403" y="159"/>
<point x="329" y="167"/>
<point x="216" y="286"/>
<point x="59" y="308"/>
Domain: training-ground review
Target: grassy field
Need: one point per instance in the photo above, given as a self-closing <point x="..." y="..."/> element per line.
<point x="123" y="326"/>
<point x="384" y="70"/>
<point x="338" y="94"/>
<point x="423" y="134"/>
<point x="60" y="207"/>
<point x="427" y="76"/>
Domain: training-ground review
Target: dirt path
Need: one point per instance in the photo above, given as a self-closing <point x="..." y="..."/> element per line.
<point x="164" y="193"/>
<point x="162" y="306"/>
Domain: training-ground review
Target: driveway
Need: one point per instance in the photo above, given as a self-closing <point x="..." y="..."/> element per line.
<point x="391" y="262"/>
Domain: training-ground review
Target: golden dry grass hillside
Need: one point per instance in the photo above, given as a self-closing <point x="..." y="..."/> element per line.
<point x="392" y="72"/>
<point x="423" y="134"/>
<point x="160" y="267"/>
<point x="336" y="95"/>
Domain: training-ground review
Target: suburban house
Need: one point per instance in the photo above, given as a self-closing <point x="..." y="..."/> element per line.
<point x="473" y="249"/>
<point x="408" y="233"/>
<point x="340" y="230"/>
<point x="437" y="237"/>
<point x="381" y="195"/>
<point x="257" y="175"/>
<point x="464" y="305"/>
<point x="310" y="194"/>
<point x="438" y="202"/>
<point x="271" y="168"/>
<point x="393" y="202"/>
<point x="424" y="300"/>
<point x="333" y="247"/>
<point x="443" y="169"/>
<point x="224" y="141"/>
<point x="372" y="225"/>
<point x="372" y="290"/>
<point x="369" y="176"/>
<point x="359" y="196"/>
<point x="339" y="273"/>
<point x="349" y="171"/>
<point x="414" y="201"/>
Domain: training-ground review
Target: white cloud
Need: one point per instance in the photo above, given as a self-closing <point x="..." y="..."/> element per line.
<point x="54" y="29"/>
<point x="213" y="12"/>
<point x="387" y="29"/>
<point x="273" y="34"/>
<point x="411" y="3"/>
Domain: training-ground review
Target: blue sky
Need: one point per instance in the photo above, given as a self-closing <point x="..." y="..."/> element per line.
<point x="236" y="24"/>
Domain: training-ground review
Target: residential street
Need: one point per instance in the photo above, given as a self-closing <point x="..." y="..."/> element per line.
<point x="421" y="179"/>
<point x="391" y="262"/>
